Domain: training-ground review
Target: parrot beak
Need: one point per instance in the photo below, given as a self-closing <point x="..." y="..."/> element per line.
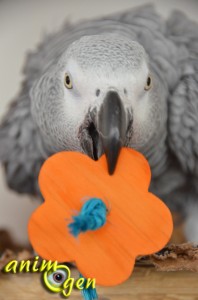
<point x="112" y="128"/>
<point x="107" y="130"/>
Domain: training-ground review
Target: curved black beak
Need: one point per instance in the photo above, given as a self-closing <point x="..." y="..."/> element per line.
<point x="112" y="127"/>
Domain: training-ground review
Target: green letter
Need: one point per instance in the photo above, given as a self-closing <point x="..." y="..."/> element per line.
<point x="79" y="283"/>
<point x="24" y="264"/>
<point x="34" y="269"/>
<point x="49" y="265"/>
<point x="9" y="268"/>
<point x="68" y="284"/>
<point x="90" y="282"/>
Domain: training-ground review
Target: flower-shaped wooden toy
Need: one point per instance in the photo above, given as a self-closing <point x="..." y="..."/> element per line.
<point x="138" y="223"/>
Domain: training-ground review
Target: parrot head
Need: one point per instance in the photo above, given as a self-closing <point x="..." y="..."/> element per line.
<point x="101" y="95"/>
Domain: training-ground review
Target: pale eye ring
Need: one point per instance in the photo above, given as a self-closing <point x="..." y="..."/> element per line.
<point x="148" y="83"/>
<point x="57" y="278"/>
<point x="67" y="81"/>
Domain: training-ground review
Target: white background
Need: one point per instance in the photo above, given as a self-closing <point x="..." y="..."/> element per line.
<point x="22" y="25"/>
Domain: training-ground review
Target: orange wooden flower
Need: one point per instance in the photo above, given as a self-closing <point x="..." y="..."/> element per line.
<point x="138" y="222"/>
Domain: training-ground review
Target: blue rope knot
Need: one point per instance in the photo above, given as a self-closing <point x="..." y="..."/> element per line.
<point x="91" y="217"/>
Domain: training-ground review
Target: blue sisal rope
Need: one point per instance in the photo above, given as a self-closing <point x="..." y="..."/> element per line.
<point x="88" y="293"/>
<point x="92" y="216"/>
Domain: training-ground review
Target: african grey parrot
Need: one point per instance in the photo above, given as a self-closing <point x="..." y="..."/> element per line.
<point x="130" y="79"/>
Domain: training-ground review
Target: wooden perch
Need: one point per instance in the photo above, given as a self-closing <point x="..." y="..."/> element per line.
<point x="177" y="258"/>
<point x="182" y="257"/>
<point x="145" y="283"/>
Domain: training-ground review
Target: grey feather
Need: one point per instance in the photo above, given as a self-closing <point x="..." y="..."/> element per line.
<point x="183" y="103"/>
<point x="21" y="147"/>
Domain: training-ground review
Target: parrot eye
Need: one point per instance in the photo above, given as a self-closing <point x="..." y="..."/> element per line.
<point x="67" y="82"/>
<point x="148" y="83"/>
